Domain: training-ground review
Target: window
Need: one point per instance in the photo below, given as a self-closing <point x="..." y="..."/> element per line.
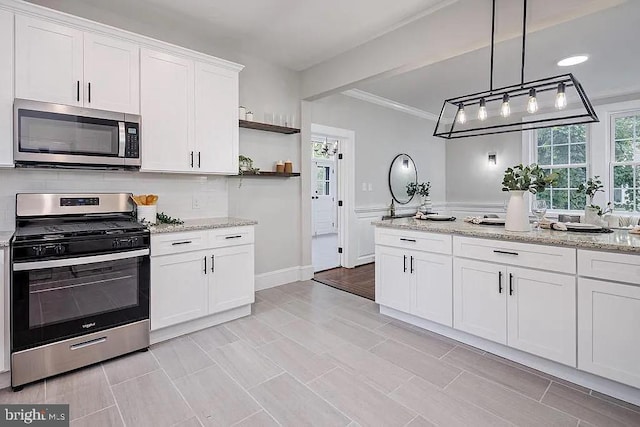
<point x="625" y="164"/>
<point x="323" y="180"/>
<point x="563" y="150"/>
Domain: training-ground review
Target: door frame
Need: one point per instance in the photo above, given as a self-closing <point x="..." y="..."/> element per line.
<point x="345" y="169"/>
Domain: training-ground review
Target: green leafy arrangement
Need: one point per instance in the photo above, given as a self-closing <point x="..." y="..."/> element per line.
<point x="245" y="165"/>
<point x="530" y="178"/>
<point x="591" y="188"/>
<point x="422" y="189"/>
<point x="163" y="218"/>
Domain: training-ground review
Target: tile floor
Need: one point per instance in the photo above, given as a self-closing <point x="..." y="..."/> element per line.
<point x="313" y="355"/>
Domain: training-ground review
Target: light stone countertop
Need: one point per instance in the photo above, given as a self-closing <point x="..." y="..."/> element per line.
<point x="5" y="237"/>
<point x="618" y="241"/>
<point x="201" y="224"/>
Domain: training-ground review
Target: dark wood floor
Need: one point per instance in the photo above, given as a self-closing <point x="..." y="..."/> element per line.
<point x="359" y="281"/>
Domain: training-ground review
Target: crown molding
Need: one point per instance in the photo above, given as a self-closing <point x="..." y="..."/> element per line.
<point x="388" y="103"/>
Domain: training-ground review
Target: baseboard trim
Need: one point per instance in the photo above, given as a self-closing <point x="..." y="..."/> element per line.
<point x="283" y="276"/>
<point x="366" y="259"/>
<point x="585" y="379"/>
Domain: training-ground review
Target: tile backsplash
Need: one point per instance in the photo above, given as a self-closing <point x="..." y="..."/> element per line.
<point x="182" y="196"/>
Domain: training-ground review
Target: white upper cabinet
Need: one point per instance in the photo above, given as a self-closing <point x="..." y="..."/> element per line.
<point x="167" y="93"/>
<point x="216" y="118"/>
<point x="111" y="74"/>
<point x="6" y="88"/>
<point x="48" y="62"/>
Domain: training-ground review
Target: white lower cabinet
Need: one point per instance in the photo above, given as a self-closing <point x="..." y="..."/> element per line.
<point x="609" y="330"/>
<point x="188" y="285"/>
<point x="530" y="310"/>
<point x="179" y="288"/>
<point x="414" y="282"/>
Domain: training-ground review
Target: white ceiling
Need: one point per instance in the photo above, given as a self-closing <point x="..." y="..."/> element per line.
<point x="610" y="37"/>
<point x="294" y="33"/>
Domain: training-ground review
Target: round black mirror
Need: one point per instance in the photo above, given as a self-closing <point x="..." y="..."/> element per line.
<point x="401" y="173"/>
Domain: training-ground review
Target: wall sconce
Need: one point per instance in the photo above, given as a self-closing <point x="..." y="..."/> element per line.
<point x="492" y="159"/>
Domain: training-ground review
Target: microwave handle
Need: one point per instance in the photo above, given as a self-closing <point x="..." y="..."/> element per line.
<point x="122" y="139"/>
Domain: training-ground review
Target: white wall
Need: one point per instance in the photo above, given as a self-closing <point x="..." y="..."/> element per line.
<point x="380" y="134"/>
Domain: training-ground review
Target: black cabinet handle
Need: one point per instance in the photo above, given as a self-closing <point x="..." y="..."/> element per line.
<point x="500" y="282"/>
<point x="89" y="92"/>
<point x="192" y="159"/>
<point x="186" y="242"/>
<point x="405" y="263"/>
<point x="198" y="159"/>
<point x="510" y="284"/>
<point x="411" y="264"/>
<point x="78" y="91"/>
<point x="407" y="240"/>
<point x="233" y="237"/>
<point x="205" y="265"/>
<point x="213" y="264"/>
<point x="505" y="252"/>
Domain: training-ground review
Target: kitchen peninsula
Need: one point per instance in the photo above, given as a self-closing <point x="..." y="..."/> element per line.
<point x="564" y="303"/>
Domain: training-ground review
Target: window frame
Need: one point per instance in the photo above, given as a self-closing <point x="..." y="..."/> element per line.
<point x="612" y="162"/>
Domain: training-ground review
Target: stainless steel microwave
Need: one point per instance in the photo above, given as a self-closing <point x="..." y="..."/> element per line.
<point x="53" y="135"/>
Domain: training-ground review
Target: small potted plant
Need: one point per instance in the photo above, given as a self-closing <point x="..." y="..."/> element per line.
<point x="423" y="190"/>
<point x="593" y="212"/>
<point x="517" y="181"/>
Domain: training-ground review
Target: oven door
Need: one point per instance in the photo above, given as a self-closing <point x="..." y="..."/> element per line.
<point x="58" y="134"/>
<point x="64" y="298"/>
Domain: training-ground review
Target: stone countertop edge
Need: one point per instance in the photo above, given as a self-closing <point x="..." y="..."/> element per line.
<point x="201" y="224"/>
<point x="5" y="238"/>
<point x="618" y="241"/>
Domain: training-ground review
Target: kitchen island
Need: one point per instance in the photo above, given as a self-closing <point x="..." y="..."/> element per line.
<point x="560" y="302"/>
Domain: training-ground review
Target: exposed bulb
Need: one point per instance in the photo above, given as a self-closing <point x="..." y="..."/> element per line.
<point x="482" y="111"/>
<point x="462" y="117"/>
<point x="505" y="111"/>
<point x="561" y="97"/>
<point x="532" y="105"/>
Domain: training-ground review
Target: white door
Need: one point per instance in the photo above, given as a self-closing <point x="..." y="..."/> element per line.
<point x="6" y="90"/>
<point x="541" y="316"/>
<point x="166" y="106"/>
<point x="111" y="74"/>
<point x="48" y="62"/>
<point x="479" y="299"/>
<point x="178" y="288"/>
<point x="609" y="330"/>
<point x="231" y="283"/>
<point x="324" y="197"/>
<point x="393" y="278"/>
<point x="216" y="119"/>
<point x="433" y="298"/>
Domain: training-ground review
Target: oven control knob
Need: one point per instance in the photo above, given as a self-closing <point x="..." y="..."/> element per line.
<point x="58" y="249"/>
<point x="37" y="250"/>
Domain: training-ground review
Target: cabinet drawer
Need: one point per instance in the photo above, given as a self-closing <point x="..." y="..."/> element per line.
<point x="609" y="266"/>
<point x="415" y="240"/>
<point x="175" y="243"/>
<point x="224" y="237"/>
<point x="551" y="258"/>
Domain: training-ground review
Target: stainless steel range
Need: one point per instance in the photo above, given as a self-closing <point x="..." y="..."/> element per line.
<point x="79" y="283"/>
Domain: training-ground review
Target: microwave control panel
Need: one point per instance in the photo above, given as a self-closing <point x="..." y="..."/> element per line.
<point x="132" y="146"/>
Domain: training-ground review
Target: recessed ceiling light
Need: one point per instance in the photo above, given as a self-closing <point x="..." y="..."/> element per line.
<point x="572" y="60"/>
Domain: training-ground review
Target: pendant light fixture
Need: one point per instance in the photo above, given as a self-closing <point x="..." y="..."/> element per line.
<point x="553" y="101"/>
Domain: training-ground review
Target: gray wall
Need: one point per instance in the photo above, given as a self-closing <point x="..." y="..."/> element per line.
<point x="470" y="179"/>
<point x="381" y="134"/>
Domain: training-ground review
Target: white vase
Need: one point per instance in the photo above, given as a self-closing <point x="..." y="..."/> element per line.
<point x="517" y="212"/>
<point x="426" y="206"/>
<point x="591" y="215"/>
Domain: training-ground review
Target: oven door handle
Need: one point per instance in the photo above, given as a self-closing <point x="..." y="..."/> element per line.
<point x="66" y="262"/>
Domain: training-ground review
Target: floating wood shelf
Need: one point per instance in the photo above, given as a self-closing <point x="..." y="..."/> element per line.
<point x="268" y="127"/>
<point x="267" y="175"/>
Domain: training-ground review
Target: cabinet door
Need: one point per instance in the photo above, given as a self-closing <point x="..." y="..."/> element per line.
<point x="541" y="311"/>
<point x="48" y="62"/>
<point x="178" y="288"/>
<point x="216" y="119"/>
<point x="6" y="88"/>
<point x="393" y="278"/>
<point x="433" y="276"/>
<point x="111" y="74"/>
<point x="609" y="330"/>
<point x="232" y="283"/>
<point x="166" y="106"/>
<point x="479" y="299"/>
<point x="4" y="315"/>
